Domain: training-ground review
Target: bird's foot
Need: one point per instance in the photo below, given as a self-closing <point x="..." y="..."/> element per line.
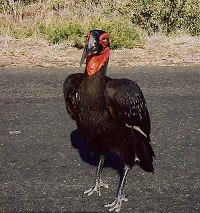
<point x="96" y="188"/>
<point x="116" y="205"/>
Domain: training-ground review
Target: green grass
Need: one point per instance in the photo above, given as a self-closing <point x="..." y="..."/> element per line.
<point x="167" y="16"/>
<point x="122" y="34"/>
<point x="59" y="32"/>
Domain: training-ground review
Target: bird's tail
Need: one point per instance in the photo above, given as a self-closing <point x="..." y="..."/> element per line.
<point x="144" y="153"/>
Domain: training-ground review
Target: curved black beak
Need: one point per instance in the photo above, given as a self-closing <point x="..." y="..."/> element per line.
<point x="92" y="47"/>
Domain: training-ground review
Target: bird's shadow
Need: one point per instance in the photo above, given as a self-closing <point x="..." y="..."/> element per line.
<point x="112" y="160"/>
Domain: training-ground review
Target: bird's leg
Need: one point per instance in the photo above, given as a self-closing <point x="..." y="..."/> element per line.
<point x="98" y="182"/>
<point x="116" y="205"/>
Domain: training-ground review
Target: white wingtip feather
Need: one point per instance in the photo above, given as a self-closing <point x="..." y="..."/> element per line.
<point x="137" y="128"/>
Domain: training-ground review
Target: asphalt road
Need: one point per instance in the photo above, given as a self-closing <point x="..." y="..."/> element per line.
<point x="45" y="167"/>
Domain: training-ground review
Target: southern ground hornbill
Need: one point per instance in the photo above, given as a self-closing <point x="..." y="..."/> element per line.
<point x="111" y="114"/>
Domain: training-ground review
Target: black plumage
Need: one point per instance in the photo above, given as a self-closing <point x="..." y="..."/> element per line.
<point x="111" y="115"/>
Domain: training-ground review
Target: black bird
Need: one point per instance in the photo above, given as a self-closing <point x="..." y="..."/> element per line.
<point x="111" y="114"/>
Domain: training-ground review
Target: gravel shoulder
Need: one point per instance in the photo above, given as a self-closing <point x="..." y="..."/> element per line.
<point x="157" y="50"/>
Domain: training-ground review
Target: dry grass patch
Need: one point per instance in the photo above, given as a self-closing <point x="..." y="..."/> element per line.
<point x="60" y="20"/>
<point x="157" y="50"/>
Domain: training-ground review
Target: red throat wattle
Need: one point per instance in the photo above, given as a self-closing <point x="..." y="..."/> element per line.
<point x="95" y="62"/>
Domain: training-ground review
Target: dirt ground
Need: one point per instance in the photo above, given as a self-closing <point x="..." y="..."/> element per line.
<point x="157" y="50"/>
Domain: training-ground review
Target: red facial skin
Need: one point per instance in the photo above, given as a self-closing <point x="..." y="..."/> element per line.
<point x="95" y="62"/>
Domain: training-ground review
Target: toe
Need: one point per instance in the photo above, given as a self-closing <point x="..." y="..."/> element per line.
<point x="89" y="191"/>
<point x="96" y="188"/>
<point x="116" y="205"/>
<point x="110" y="204"/>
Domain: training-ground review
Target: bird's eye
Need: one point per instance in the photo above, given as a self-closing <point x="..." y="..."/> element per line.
<point x="104" y="39"/>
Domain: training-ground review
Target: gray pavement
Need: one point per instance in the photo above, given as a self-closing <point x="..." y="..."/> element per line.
<point x="45" y="167"/>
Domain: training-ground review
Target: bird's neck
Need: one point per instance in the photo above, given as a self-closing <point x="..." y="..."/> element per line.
<point x="95" y="63"/>
<point x="92" y="88"/>
<point x="95" y="84"/>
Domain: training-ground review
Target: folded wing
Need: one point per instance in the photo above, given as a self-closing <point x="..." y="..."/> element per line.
<point x="70" y="90"/>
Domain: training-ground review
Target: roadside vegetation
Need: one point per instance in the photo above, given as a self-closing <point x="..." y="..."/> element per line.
<point x="127" y="21"/>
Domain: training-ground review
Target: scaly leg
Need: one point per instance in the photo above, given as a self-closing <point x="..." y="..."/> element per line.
<point x="98" y="182"/>
<point x="116" y="205"/>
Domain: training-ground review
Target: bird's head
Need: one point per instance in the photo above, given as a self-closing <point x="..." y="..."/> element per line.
<point x="96" y="51"/>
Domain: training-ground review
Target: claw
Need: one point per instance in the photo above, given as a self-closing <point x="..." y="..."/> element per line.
<point x="116" y="205"/>
<point x="96" y="188"/>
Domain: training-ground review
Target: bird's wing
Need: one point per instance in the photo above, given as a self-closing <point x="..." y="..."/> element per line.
<point x="126" y="104"/>
<point x="70" y="90"/>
